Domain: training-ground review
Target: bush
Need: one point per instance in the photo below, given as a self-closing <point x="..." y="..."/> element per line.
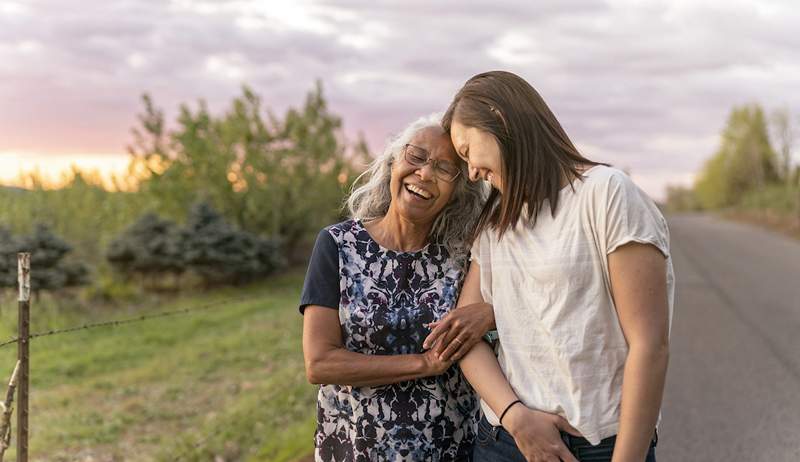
<point x="8" y="258"/>
<point x="778" y="198"/>
<point x="220" y="253"/>
<point x="151" y="248"/>
<point x="49" y="270"/>
<point x="208" y="247"/>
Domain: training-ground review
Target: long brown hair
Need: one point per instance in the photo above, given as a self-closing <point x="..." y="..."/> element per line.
<point x="536" y="153"/>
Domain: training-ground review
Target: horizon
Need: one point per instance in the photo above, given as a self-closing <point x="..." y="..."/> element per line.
<point x="644" y="86"/>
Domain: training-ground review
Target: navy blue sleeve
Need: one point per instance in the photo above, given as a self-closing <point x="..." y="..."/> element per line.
<point x="321" y="286"/>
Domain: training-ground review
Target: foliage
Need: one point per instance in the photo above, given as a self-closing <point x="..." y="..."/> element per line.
<point x="9" y="246"/>
<point x="194" y="387"/>
<point x="680" y="198"/>
<point x="82" y="211"/>
<point x="784" y="134"/>
<point x="208" y="246"/>
<point x="219" y="253"/>
<point x="776" y="197"/>
<point x="49" y="269"/>
<point x="149" y="247"/>
<point x="745" y="160"/>
<point x="281" y="177"/>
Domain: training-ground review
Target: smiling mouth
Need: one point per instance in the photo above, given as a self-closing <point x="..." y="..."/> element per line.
<point x="417" y="191"/>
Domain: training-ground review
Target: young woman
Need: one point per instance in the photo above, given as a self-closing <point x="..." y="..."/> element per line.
<point x="575" y="260"/>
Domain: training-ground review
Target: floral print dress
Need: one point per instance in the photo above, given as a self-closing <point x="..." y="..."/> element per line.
<point x="384" y="299"/>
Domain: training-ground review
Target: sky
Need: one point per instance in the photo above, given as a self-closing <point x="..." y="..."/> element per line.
<point x="643" y="85"/>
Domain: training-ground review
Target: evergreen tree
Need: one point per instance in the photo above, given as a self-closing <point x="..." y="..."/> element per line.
<point x="9" y="246"/>
<point x="151" y="247"/>
<point x="219" y="253"/>
<point x="49" y="270"/>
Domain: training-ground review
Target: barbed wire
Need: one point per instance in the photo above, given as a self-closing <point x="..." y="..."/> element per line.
<point x="136" y="319"/>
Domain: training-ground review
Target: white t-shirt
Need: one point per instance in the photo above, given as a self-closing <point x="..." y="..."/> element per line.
<point x="561" y="346"/>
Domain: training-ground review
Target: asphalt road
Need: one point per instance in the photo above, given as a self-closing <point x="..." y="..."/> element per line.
<point x="733" y="387"/>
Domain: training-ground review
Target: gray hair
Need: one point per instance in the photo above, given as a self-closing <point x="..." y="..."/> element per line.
<point x="453" y="226"/>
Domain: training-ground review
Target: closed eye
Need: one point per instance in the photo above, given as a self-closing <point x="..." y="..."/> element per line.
<point x="465" y="155"/>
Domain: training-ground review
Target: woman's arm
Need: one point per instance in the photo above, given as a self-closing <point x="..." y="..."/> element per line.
<point x="639" y="287"/>
<point x="536" y="433"/>
<point x="328" y="361"/>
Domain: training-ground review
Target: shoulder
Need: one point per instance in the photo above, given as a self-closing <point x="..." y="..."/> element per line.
<point x="602" y="175"/>
<point x="338" y="231"/>
<point x="603" y="182"/>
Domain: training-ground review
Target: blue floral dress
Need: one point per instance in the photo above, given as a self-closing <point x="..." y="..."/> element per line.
<point x="384" y="299"/>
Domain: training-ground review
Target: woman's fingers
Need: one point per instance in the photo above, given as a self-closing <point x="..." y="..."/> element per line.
<point x="457" y="347"/>
<point x="438" y="328"/>
<point x="567" y="456"/>
<point x="446" y="339"/>
<point x="563" y="425"/>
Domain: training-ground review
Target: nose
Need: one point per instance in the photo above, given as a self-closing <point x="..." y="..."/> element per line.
<point x="426" y="172"/>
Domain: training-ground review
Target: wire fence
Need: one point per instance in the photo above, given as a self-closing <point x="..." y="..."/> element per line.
<point x="23" y="340"/>
<point x="136" y="319"/>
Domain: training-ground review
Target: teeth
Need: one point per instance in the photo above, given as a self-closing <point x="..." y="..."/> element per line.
<point x="419" y="191"/>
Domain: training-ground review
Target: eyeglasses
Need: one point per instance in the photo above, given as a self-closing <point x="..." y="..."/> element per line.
<point x="419" y="157"/>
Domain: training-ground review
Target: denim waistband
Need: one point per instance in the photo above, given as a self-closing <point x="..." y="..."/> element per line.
<point x="574" y="442"/>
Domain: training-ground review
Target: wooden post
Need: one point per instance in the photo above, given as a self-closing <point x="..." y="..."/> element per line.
<point x="24" y="260"/>
<point x="7" y="408"/>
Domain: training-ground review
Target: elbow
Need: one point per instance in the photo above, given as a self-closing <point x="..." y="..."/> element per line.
<point x="318" y="370"/>
<point x="313" y="372"/>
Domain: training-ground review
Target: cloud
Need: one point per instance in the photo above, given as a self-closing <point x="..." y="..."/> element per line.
<point x="645" y="85"/>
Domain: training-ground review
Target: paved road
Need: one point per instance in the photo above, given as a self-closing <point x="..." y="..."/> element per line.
<point x="733" y="388"/>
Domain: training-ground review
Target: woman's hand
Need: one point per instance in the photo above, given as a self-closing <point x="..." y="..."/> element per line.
<point x="433" y="364"/>
<point x="537" y="434"/>
<point x="459" y="330"/>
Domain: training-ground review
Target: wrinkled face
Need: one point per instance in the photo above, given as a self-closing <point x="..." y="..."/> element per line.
<point x="418" y="193"/>
<point x="481" y="151"/>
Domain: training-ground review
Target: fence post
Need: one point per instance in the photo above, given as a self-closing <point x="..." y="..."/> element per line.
<point x="24" y="268"/>
<point x="5" y="419"/>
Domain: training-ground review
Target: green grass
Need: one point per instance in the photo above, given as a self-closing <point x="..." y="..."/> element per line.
<point x="224" y="382"/>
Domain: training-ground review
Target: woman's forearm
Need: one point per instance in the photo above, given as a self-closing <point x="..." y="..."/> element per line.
<point x="642" y="390"/>
<point x="483" y="372"/>
<point x="342" y="367"/>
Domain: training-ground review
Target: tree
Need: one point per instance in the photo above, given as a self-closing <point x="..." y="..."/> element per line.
<point x="283" y="177"/>
<point x="49" y="270"/>
<point x="745" y="160"/>
<point x="9" y="246"/>
<point x="152" y="248"/>
<point x="221" y="254"/>
<point x="681" y="199"/>
<point x="784" y="133"/>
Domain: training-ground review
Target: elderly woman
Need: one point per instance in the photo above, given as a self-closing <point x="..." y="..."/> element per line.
<point x="374" y="282"/>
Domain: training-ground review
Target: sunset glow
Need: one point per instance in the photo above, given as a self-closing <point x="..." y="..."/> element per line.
<point x="55" y="169"/>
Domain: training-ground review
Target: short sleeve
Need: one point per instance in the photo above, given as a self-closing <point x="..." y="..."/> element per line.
<point x="480" y="254"/>
<point x="632" y="216"/>
<point x="321" y="286"/>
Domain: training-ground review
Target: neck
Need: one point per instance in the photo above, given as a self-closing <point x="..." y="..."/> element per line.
<point x="399" y="234"/>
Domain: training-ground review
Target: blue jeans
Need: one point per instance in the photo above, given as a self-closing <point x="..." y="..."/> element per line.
<point x="495" y="444"/>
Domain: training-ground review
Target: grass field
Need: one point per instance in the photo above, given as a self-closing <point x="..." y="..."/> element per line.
<point x="225" y="383"/>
